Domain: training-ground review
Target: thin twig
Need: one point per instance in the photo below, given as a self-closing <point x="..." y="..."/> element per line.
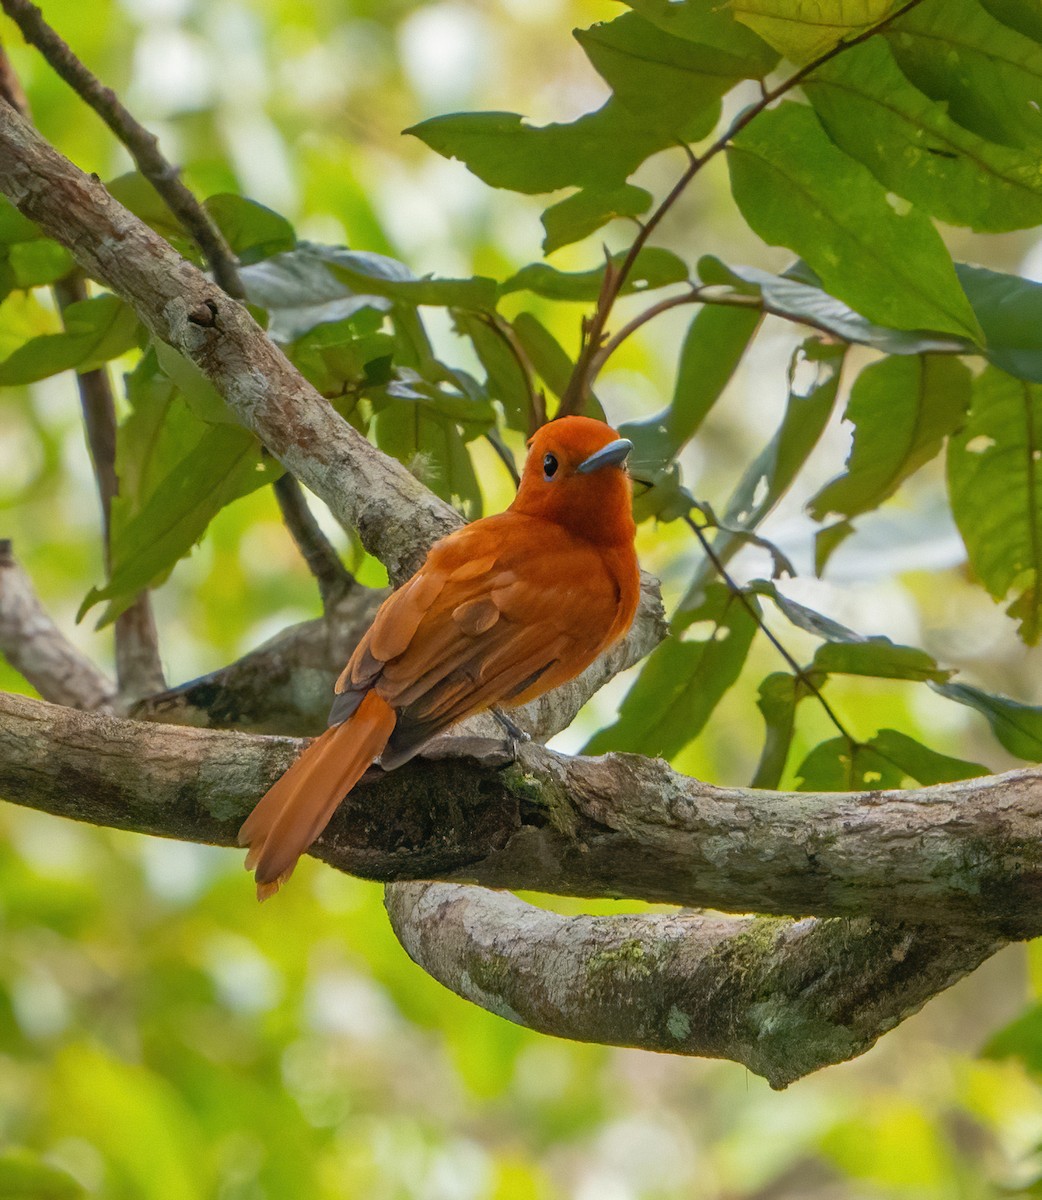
<point x="613" y="343"/>
<point x="739" y="594"/>
<point x="333" y="578"/>
<point x="143" y="145"/>
<point x="615" y="276"/>
<point x="504" y="455"/>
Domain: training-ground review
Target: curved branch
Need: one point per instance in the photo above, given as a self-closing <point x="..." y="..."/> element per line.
<point x="783" y="997"/>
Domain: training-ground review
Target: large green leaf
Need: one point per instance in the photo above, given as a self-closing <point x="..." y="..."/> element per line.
<point x="878" y="658"/>
<point x="584" y="212"/>
<point x="668" y="83"/>
<point x="600" y="149"/>
<point x="804" y="29"/>
<point x="902" y="410"/>
<point x="995" y="485"/>
<point x="224" y="464"/>
<point x="684" y="679"/>
<point x="1017" y="726"/>
<point x="988" y="76"/>
<point x="655" y="267"/>
<point x="544" y="352"/>
<point x="343" y="357"/>
<point x="506" y="378"/>
<point x="1023" y="15"/>
<point x="1009" y="310"/>
<point x="797" y="296"/>
<point x="711" y="24"/>
<point x="96" y="331"/>
<point x="917" y="150"/>
<point x="378" y="275"/>
<point x="779" y="695"/>
<point x="797" y="189"/>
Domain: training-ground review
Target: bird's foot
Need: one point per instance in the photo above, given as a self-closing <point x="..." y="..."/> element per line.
<point x="516" y="736"/>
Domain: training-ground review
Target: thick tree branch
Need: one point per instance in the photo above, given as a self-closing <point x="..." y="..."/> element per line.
<point x="961" y="855"/>
<point x="37" y="648"/>
<point x="783" y="997"/>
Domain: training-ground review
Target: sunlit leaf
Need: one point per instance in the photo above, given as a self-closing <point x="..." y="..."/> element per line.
<point x="586" y="211"/>
<point x="96" y="331"/>
<point x="917" y="150"/>
<point x="803" y="29"/>
<point x="25" y="1177"/>
<point x="995" y="486"/>
<point x="779" y="695"/>
<point x="1017" y="726"/>
<point x="796" y="189"/>
<point x="902" y="410"/>
<point x="37" y="262"/>
<point x="684" y="679"/>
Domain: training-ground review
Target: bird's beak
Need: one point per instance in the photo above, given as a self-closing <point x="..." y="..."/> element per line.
<point x="612" y="455"/>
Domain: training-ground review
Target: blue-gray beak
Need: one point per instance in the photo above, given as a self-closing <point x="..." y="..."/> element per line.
<point x="612" y="455"/>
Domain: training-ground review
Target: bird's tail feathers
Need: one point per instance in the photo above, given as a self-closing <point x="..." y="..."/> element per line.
<point x="291" y="815"/>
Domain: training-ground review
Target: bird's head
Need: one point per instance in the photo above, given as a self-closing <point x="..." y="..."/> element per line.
<point x="575" y="475"/>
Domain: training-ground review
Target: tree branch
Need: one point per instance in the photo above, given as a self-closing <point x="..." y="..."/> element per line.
<point x="783" y="997"/>
<point x="333" y="578"/>
<point x="37" y="648"/>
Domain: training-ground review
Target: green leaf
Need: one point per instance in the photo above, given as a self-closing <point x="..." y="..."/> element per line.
<point x="1022" y="15"/>
<point x="96" y="331"/>
<point x="654" y="268"/>
<point x="1017" y="726"/>
<point x="34" y="263"/>
<point x="684" y="679"/>
<point x="902" y="410"/>
<point x="837" y="765"/>
<point x="14" y="227"/>
<point x="920" y="763"/>
<point x="1021" y="1039"/>
<point x="577" y="216"/>
<point x="431" y="446"/>
<point x="25" y="1177"/>
<point x="252" y="231"/>
<point x="917" y="150"/>
<point x="804" y="29"/>
<point x="1009" y="310"/>
<point x="796" y="189"/>
<point x="779" y="695"/>
<point x="710" y="24"/>
<point x="777" y="465"/>
<point x="667" y="83"/>
<point x="205" y="401"/>
<point x="506" y="379"/>
<point x="797" y="299"/>
<point x="879" y="658"/>
<point x="378" y="275"/>
<point x="827" y="541"/>
<point x="339" y="357"/>
<point x="600" y="149"/>
<point x="807" y="619"/>
<point x="995" y="486"/>
<point x="134" y="191"/>
<point x="223" y="465"/>
<point x="987" y="75"/>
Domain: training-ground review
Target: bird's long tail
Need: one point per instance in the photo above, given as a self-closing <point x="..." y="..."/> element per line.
<point x="298" y="806"/>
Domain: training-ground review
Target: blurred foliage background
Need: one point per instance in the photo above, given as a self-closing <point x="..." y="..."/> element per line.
<point x="161" y="1036"/>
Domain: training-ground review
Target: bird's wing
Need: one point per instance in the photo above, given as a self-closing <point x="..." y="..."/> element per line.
<point x="498" y="610"/>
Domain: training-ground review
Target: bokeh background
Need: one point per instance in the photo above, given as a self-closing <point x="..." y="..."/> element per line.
<point x="163" y="1037"/>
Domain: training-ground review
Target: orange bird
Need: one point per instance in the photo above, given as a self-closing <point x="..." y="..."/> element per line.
<point x="500" y="612"/>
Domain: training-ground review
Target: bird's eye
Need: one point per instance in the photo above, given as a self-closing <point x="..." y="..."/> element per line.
<point x="549" y="466"/>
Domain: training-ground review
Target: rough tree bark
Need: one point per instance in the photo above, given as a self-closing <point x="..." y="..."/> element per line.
<point x="802" y="994"/>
